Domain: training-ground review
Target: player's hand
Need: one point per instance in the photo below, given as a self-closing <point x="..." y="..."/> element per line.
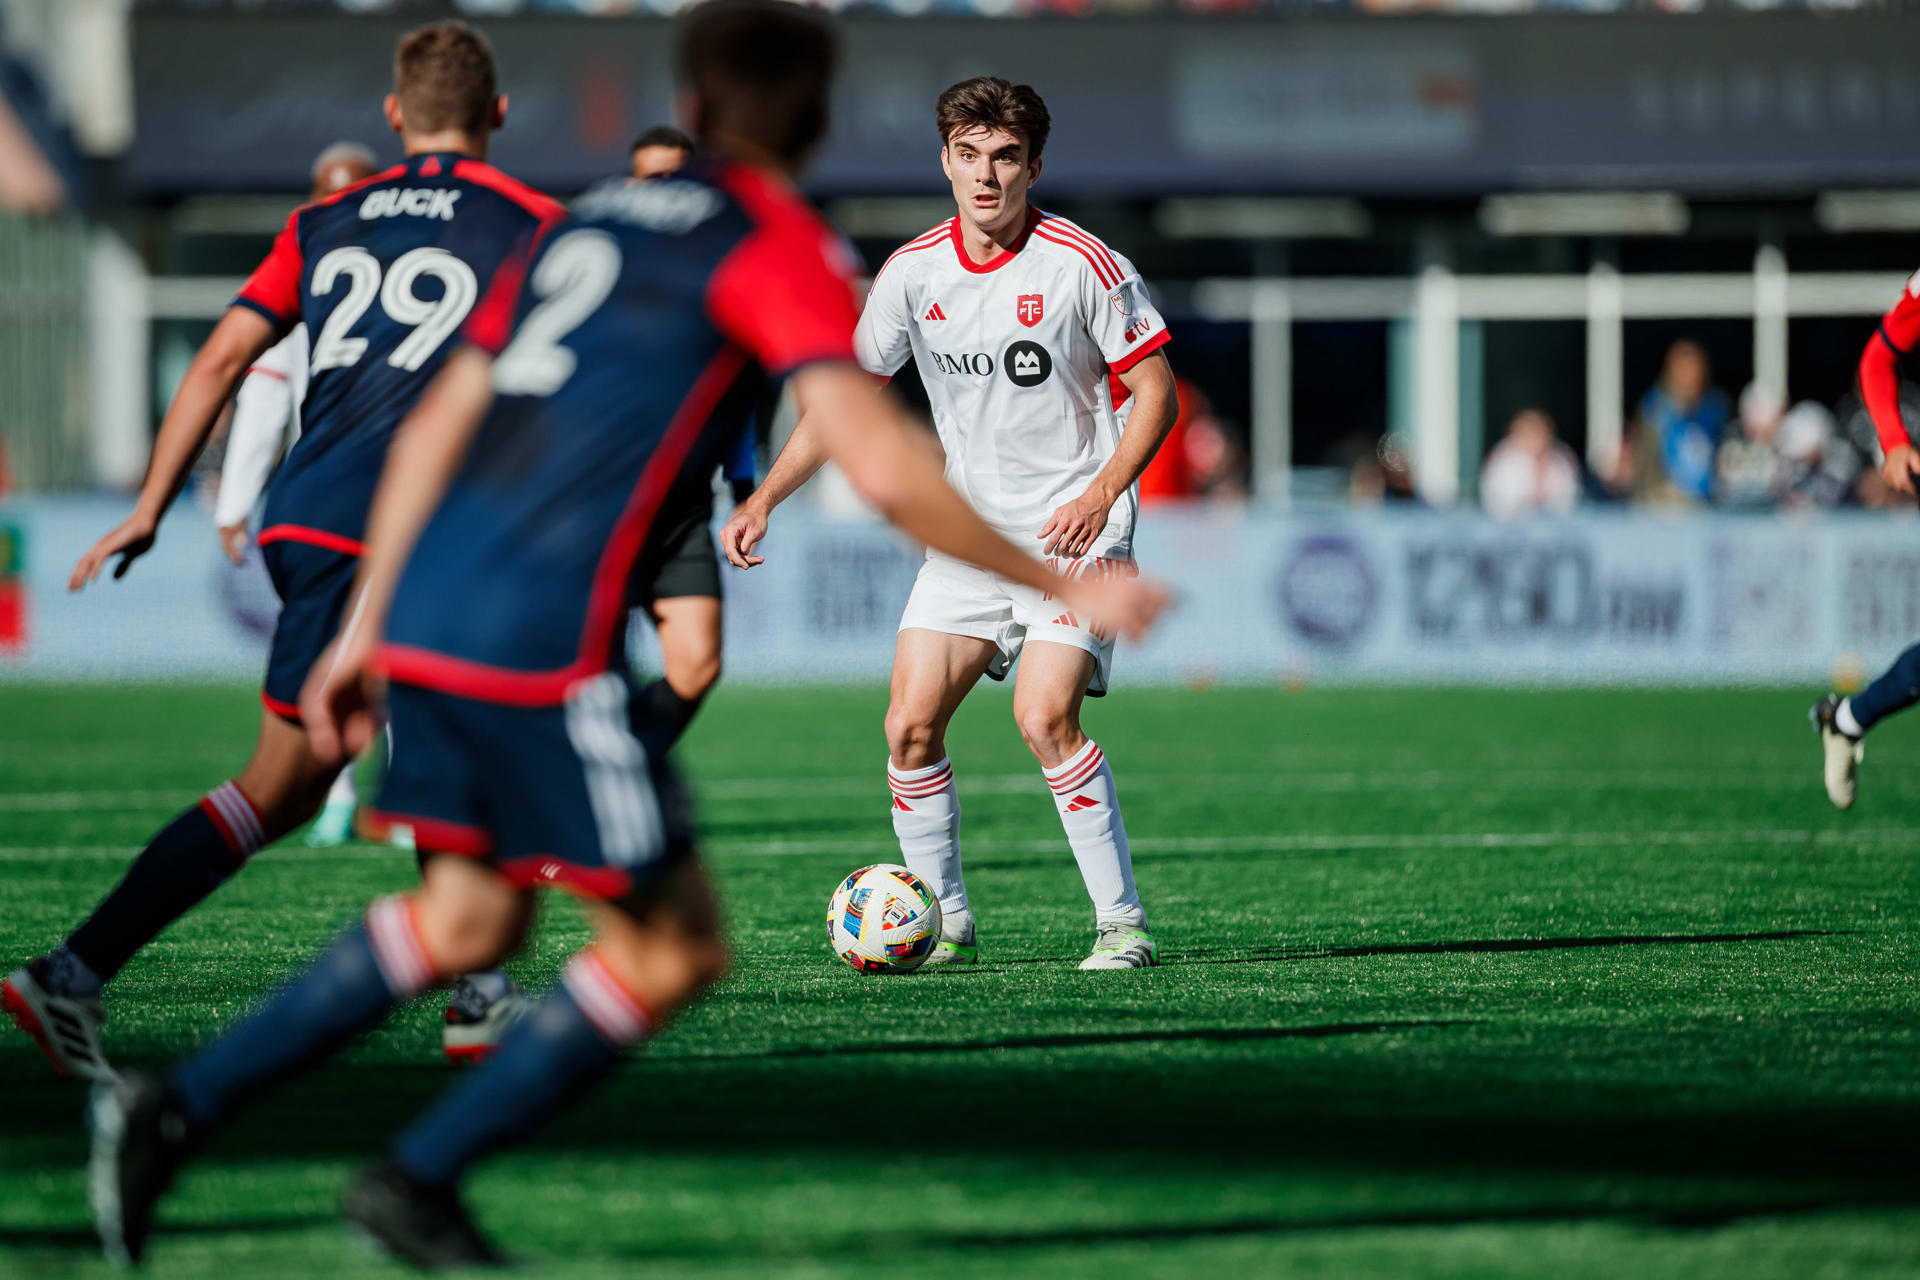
<point x="340" y="702"/>
<point x="233" y="538"/>
<point x="1127" y="606"/>
<point x="1900" y="467"/>
<point x="1070" y="531"/>
<point x="131" y="540"/>
<point x="741" y="534"/>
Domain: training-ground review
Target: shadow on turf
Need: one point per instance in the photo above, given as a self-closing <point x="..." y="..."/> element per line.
<point x="84" y="1237"/>
<point x="1269" y="955"/>
<point x="1085" y="1040"/>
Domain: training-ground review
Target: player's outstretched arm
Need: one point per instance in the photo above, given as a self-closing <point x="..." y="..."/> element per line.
<point x="798" y="461"/>
<point x="1071" y="530"/>
<point x="217" y="368"/>
<point x="874" y="444"/>
<point x="337" y="703"/>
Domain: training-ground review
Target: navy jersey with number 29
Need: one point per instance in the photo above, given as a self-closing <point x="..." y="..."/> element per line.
<point x="630" y="345"/>
<point x="384" y="273"/>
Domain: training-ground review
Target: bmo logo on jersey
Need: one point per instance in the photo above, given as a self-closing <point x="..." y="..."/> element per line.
<point x="977" y="363"/>
<point x="1027" y="364"/>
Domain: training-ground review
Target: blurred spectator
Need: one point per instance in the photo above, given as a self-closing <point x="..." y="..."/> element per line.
<point x="1685" y="415"/>
<point x="1198" y="458"/>
<point x="1820" y="466"/>
<point x="1378" y="471"/>
<point x="1530" y="470"/>
<point x="1748" y="470"/>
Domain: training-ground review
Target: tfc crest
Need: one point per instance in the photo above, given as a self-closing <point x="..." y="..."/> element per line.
<point x="1029" y="307"/>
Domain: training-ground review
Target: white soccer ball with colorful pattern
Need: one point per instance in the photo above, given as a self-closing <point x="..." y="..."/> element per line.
<point x="883" y="919"/>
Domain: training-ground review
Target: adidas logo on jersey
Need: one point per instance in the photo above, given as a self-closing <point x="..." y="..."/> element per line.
<point x="935" y="313"/>
<point x="418" y="202"/>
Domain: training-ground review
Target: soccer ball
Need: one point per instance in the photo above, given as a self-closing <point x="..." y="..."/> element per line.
<point x="883" y="919"/>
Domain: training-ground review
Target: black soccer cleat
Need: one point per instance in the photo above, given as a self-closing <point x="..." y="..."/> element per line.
<point x="425" y="1226"/>
<point x="141" y="1137"/>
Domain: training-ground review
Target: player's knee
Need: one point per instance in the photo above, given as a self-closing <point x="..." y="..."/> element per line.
<point x="1046" y="727"/>
<point x="911" y="735"/>
<point x="473" y="929"/>
<point x="696" y="675"/>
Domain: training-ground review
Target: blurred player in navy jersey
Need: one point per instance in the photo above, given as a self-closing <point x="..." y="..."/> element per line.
<point x="679" y="584"/>
<point x="1843" y="722"/>
<point x="266" y="418"/>
<point x="382" y="273"/>
<point x="620" y="357"/>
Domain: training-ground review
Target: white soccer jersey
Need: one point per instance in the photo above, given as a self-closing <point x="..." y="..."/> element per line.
<point x="1017" y="356"/>
<point x="266" y="413"/>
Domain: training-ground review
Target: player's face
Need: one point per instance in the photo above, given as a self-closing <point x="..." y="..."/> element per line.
<point x="990" y="175"/>
<point x="657" y="162"/>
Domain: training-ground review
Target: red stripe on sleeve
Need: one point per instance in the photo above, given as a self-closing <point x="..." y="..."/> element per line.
<point x="1880" y="367"/>
<point x="1044" y="231"/>
<point x="274" y="287"/>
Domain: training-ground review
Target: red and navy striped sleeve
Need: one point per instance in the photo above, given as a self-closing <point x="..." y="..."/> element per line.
<point x="785" y="293"/>
<point x="1880" y="366"/>
<point x="274" y="287"/>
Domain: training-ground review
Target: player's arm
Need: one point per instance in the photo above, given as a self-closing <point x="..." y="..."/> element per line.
<point x="237" y="341"/>
<point x="337" y="701"/>
<point x="261" y="411"/>
<point x="873" y="442"/>
<point x="1070" y="531"/>
<point x="1880" y="386"/>
<point x="802" y="456"/>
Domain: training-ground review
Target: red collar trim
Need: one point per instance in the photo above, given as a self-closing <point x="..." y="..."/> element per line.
<point x="981" y="268"/>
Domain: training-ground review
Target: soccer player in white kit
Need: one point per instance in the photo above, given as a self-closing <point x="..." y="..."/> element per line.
<point x="1040" y="351"/>
<point x="266" y="421"/>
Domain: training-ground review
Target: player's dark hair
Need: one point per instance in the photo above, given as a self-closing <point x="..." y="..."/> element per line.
<point x="662" y="135"/>
<point x="444" y="76"/>
<point x="760" y="71"/>
<point x="988" y="102"/>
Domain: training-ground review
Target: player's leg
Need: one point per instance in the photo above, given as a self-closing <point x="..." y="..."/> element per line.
<point x="56" y="998"/>
<point x="653" y="954"/>
<point x="1843" y="722"/>
<point x="464" y="916"/>
<point x="689" y="627"/>
<point x="933" y="672"/>
<point x="1048" y="692"/>
<point x="334" y="826"/>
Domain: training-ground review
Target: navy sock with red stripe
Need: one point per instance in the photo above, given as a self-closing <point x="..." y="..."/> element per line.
<point x="363" y="975"/>
<point x="190" y="858"/>
<point x="546" y="1062"/>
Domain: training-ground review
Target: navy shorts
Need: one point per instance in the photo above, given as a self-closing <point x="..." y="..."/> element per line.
<point x="313" y="584"/>
<point x="577" y="795"/>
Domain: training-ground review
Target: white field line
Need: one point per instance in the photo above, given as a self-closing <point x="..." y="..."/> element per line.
<point x="1484" y="840"/>
<point x="1273" y="783"/>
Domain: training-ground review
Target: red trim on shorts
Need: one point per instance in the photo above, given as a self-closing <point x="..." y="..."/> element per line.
<point x="285" y="710"/>
<point x="1140" y="353"/>
<point x="979" y="268"/>
<point x="312" y="538"/>
<point x="606" y="603"/>
<point x="430" y="835"/>
<point x="265" y="372"/>
<point x="599" y="883"/>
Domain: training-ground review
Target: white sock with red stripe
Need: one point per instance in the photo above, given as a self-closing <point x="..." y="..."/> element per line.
<point x="926" y="818"/>
<point x="235" y="818"/>
<point x="1089" y="806"/>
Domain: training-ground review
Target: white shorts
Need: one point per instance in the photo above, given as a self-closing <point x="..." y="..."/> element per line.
<point x="956" y="599"/>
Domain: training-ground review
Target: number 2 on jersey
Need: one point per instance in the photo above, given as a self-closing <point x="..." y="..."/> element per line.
<point x="432" y="321"/>
<point x="571" y="280"/>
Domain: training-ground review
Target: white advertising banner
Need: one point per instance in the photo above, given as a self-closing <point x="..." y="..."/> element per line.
<point x="1345" y="597"/>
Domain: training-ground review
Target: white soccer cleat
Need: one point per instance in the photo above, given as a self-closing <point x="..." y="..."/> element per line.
<point x="66" y="1029"/>
<point x="1122" y="946"/>
<point x="953" y="949"/>
<point x="1842" y="754"/>
<point x="475" y="1026"/>
<point x="333" y="827"/>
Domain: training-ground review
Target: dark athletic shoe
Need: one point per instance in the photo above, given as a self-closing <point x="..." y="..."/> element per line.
<point x="141" y="1137"/>
<point x="426" y="1226"/>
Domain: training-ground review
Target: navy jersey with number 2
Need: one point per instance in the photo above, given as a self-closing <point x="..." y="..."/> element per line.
<point x="631" y="346"/>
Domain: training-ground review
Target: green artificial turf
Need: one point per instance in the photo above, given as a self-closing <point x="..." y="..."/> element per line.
<point x="1457" y="983"/>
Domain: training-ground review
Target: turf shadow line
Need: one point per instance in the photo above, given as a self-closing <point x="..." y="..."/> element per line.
<point x="1501" y="945"/>
<point x="84" y="1237"/>
<point x="1210" y="1035"/>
